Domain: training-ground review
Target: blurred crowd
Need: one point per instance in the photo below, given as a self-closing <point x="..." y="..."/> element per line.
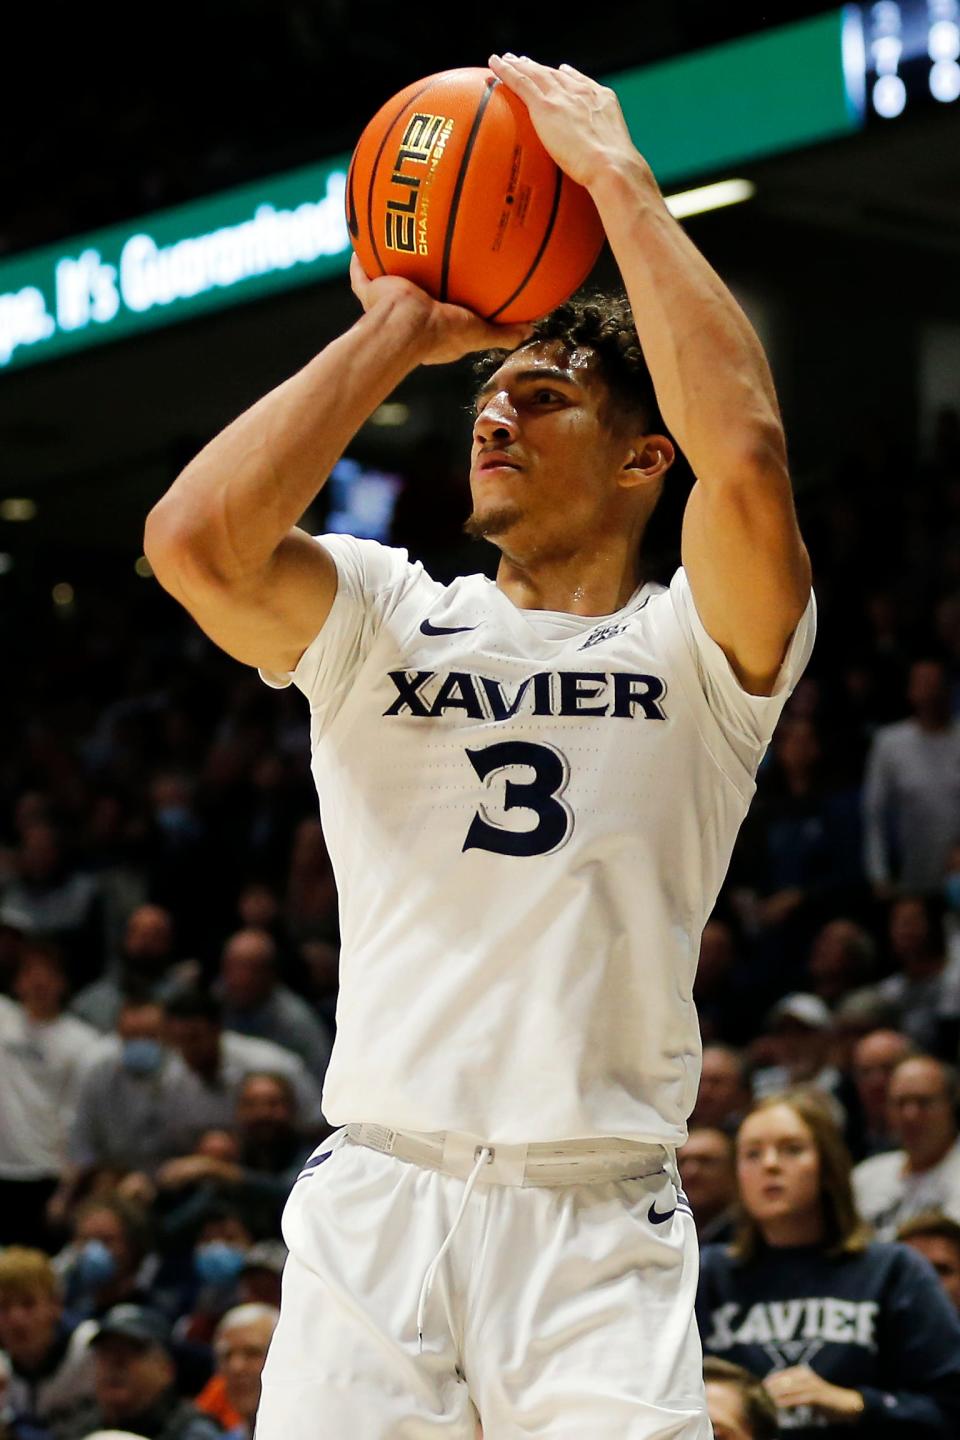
<point x="168" y="984"/>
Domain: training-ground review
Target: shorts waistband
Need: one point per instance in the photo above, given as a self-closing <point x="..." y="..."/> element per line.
<point x="567" y="1162"/>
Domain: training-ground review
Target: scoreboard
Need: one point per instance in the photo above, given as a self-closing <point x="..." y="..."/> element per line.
<point x="901" y="53"/>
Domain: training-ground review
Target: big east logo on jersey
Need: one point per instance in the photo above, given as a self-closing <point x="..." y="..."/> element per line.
<point x="431" y="694"/>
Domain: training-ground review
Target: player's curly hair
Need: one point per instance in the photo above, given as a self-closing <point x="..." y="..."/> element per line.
<point x="603" y="321"/>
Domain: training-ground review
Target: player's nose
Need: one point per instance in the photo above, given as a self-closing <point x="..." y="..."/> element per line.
<point x="496" y="422"/>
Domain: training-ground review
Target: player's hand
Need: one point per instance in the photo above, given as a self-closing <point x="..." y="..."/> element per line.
<point x="445" y="332"/>
<point x="579" y="121"/>
<point x="799" y="1385"/>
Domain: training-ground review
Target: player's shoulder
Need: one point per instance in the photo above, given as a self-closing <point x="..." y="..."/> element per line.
<point x="371" y="560"/>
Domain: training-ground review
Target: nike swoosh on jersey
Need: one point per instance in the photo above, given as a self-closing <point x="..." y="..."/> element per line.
<point x="428" y="628"/>
<point x="654" y="1215"/>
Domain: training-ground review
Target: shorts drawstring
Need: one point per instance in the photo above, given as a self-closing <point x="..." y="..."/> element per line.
<point x="484" y="1155"/>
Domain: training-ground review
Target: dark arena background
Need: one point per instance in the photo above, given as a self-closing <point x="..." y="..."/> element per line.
<point x="173" y="246"/>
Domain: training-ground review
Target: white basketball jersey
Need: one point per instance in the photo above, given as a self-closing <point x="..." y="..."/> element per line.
<point x="529" y="815"/>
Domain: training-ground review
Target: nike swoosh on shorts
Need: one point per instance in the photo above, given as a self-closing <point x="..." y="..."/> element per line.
<point x="428" y="628"/>
<point x="654" y="1215"/>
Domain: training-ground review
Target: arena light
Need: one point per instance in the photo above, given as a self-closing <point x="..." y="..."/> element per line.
<point x="709" y="197"/>
<point x="392" y="413"/>
<point x="17" y="508"/>
<point x="899" y="53"/>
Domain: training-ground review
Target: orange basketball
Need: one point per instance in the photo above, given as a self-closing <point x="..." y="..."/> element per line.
<point x="450" y="186"/>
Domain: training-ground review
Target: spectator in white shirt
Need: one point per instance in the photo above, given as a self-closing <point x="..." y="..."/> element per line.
<point x="925" y="1173"/>
<point x="43" y="1055"/>
<point x="912" y="788"/>
<point x="217" y="1061"/>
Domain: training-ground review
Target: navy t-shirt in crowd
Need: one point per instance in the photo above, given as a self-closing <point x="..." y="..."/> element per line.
<point x="877" y="1321"/>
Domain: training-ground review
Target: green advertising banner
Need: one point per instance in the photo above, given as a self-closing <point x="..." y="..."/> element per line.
<point x="239" y="245"/>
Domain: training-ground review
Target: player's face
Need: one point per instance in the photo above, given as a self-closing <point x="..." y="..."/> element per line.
<point x="544" y="459"/>
<point x="778" y="1165"/>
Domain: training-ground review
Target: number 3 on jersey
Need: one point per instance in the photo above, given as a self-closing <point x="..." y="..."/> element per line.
<point x="541" y="796"/>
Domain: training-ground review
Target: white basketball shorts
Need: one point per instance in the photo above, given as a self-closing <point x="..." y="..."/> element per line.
<point x="562" y="1312"/>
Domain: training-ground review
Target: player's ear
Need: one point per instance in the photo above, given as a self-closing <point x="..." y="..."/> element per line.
<point x="648" y="458"/>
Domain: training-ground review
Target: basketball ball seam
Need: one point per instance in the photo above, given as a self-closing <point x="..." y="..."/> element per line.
<point x="458" y="187"/>
<point x="558" y="189"/>
<point x="371" y="183"/>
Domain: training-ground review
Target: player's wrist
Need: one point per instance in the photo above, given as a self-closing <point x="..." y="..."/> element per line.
<point x="399" y="324"/>
<point x="623" y="178"/>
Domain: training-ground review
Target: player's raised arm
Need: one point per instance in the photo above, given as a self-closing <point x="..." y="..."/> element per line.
<point x="223" y="540"/>
<point x="747" y="566"/>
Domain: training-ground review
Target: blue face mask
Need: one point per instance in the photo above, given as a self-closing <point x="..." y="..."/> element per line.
<point x="94" y="1266"/>
<point x="951" y="889"/>
<point x="218" y="1263"/>
<point x="142" y="1056"/>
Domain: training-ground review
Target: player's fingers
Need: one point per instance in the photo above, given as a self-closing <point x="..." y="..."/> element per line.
<point x="574" y="74"/>
<point x="359" y="279"/>
<point x="521" y="73"/>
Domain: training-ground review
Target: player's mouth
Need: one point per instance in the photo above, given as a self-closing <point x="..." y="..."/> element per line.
<point x="495" y="460"/>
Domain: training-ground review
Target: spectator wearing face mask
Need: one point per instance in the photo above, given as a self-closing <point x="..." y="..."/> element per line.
<point x="110" y="1257"/>
<point x="128" y="1107"/>
<point x="43" y="1057"/>
<point x="222" y="1243"/>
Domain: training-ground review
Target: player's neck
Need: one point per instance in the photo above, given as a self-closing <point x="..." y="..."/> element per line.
<point x="595" y="582"/>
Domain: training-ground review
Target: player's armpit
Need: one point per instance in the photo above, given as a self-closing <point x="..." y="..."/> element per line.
<point x="266" y="619"/>
<point x="748" y="569"/>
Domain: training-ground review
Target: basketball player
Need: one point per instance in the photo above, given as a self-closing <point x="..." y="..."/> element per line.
<point x="530" y="789"/>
